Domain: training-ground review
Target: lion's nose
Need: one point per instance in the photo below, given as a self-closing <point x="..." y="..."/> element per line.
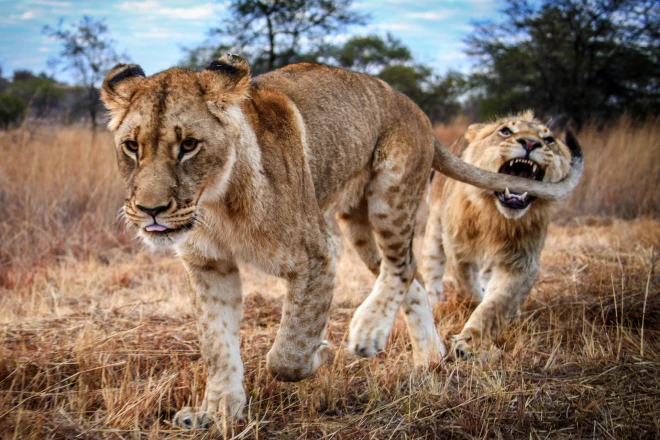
<point x="154" y="211"/>
<point x="529" y="144"/>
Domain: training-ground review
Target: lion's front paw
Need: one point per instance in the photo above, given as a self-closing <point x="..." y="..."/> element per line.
<point x="216" y="405"/>
<point x="461" y="349"/>
<point x="368" y="332"/>
<point x="191" y="418"/>
<point x="291" y="366"/>
<point x="428" y="351"/>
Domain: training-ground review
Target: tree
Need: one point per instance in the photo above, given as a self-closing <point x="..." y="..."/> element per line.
<point x="3" y="82"/>
<point x="371" y="53"/>
<point x="273" y="33"/>
<point x="88" y="53"/>
<point x="390" y="60"/>
<point x="582" y="58"/>
<point x="41" y="92"/>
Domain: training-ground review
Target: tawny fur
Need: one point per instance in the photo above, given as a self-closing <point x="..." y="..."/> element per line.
<point x="493" y="252"/>
<point x="243" y="170"/>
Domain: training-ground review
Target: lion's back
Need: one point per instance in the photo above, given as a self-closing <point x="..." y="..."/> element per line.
<point x="344" y="114"/>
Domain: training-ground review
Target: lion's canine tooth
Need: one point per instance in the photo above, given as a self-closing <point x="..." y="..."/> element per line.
<point x="506" y="192"/>
<point x="534" y="167"/>
<point x="524" y="196"/>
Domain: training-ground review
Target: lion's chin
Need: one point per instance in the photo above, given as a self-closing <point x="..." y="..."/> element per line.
<point x="162" y="241"/>
<point x="511" y="213"/>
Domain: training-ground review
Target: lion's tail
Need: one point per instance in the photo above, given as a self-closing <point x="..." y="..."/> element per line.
<point x="450" y="165"/>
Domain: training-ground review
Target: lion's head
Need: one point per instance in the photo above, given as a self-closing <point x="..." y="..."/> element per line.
<point x="519" y="146"/>
<point x="175" y="134"/>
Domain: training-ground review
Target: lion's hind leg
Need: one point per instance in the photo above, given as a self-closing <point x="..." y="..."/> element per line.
<point x="434" y="259"/>
<point x="427" y="346"/>
<point x="357" y="228"/>
<point x="393" y="196"/>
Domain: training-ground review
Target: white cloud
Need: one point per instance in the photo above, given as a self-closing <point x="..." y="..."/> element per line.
<point x="52" y="3"/>
<point x="153" y="7"/>
<point x="192" y="13"/>
<point x="393" y="26"/>
<point x="454" y="55"/>
<point x="148" y="6"/>
<point x="438" y="15"/>
<point x="44" y="49"/>
<point x="27" y="15"/>
<point x="158" y="35"/>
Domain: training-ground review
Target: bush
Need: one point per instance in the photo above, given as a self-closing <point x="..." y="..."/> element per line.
<point x="11" y="110"/>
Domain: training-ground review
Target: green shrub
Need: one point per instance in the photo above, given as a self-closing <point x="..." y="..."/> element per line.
<point x="11" y="110"/>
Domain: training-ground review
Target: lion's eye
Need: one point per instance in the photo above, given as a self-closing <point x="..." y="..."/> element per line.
<point x="549" y="140"/>
<point x="187" y="146"/>
<point x="131" y="146"/>
<point x="506" y="131"/>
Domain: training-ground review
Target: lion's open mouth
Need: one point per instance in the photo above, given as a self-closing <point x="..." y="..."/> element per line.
<point x="524" y="168"/>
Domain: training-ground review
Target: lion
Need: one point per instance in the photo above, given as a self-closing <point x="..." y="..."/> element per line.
<point x="492" y="240"/>
<point x="227" y="169"/>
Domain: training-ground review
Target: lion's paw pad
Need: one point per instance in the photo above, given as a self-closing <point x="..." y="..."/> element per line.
<point x="461" y="349"/>
<point x="190" y="418"/>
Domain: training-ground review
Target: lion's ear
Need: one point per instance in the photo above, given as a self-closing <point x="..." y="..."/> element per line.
<point x="225" y="81"/>
<point x="118" y="88"/>
<point x="472" y="131"/>
<point x="572" y="143"/>
<point x="558" y="123"/>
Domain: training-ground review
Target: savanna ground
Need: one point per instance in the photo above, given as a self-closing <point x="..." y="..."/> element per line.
<point x="97" y="339"/>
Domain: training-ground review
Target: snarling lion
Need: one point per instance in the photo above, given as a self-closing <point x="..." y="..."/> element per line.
<point x="492" y="240"/>
<point x="228" y="169"/>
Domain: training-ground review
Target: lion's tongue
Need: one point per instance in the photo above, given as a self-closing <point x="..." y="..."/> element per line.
<point x="156" y="228"/>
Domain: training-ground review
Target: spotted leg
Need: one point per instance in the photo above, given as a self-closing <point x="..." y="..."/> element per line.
<point x="217" y="301"/>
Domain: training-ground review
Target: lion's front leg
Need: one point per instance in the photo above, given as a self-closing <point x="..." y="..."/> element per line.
<point x="504" y="296"/>
<point x="300" y="347"/>
<point x="217" y="300"/>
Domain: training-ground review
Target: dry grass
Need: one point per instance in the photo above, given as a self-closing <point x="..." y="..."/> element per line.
<point x="622" y="171"/>
<point x="97" y="338"/>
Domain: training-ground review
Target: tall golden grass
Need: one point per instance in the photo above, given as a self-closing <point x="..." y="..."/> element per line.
<point x="59" y="195"/>
<point x="97" y="338"/>
<point x="622" y="171"/>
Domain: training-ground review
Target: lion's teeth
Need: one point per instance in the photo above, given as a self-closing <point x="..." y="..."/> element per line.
<point x="507" y="193"/>
<point x="534" y="167"/>
<point x="524" y="196"/>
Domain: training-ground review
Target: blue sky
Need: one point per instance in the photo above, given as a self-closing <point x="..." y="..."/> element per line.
<point x="152" y="32"/>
